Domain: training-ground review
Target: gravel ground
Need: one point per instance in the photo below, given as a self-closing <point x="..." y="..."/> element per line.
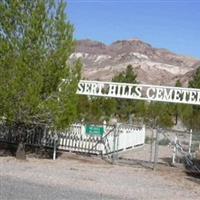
<point x="77" y="177"/>
<point x="24" y="190"/>
<point x="143" y="154"/>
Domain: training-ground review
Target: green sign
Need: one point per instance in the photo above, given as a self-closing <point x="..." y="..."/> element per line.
<point x="94" y="130"/>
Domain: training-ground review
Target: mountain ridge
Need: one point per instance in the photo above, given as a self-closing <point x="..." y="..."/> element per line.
<point x="152" y="65"/>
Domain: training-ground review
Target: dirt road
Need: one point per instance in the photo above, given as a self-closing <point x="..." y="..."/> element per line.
<point x="78" y="177"/>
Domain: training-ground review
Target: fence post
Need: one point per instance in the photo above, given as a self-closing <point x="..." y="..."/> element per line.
<point x="54" y="145"/>
<point x="156" y="149"/>
<point x="174" y="151"/>
<point x="104" y="125"/>
<point x="103" y="148"/>
<point x="152" y="144"/>
<point x="115" y="153"/>
<point x="44" y="142"/>
<point x="190" y="142"/>
<point x="83" y="135"/>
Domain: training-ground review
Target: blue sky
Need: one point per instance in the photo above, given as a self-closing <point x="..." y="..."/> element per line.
<point x="170" y="24"/>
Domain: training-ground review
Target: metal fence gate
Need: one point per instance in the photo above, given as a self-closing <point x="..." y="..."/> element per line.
<point x="165" y="147"/>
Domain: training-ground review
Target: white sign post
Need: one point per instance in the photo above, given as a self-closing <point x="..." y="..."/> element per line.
<point x="140" y="92"/>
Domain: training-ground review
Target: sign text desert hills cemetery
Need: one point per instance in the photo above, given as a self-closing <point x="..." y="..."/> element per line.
<point x="139" y="92"/>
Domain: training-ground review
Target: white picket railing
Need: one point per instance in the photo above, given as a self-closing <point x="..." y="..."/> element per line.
<point x="115" y="138"/>
<point x="127" y="136"/>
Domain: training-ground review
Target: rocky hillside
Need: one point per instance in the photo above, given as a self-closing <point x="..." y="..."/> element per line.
<point x="152" y="65"/>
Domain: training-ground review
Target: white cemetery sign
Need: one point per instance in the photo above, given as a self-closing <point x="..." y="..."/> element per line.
<point x="140" y="92"/>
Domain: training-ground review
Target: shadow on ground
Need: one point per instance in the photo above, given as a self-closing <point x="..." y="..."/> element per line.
<point x="193" y="171"/>
<point x="46" y="153"/>
<point x="194" y="177"/>
<point x="166" y="160"/>
<point x="33" y="152"/>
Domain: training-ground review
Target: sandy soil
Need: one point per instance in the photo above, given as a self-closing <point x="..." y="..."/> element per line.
<point x="144" y="153"/>
<point x="91" y="174"/>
